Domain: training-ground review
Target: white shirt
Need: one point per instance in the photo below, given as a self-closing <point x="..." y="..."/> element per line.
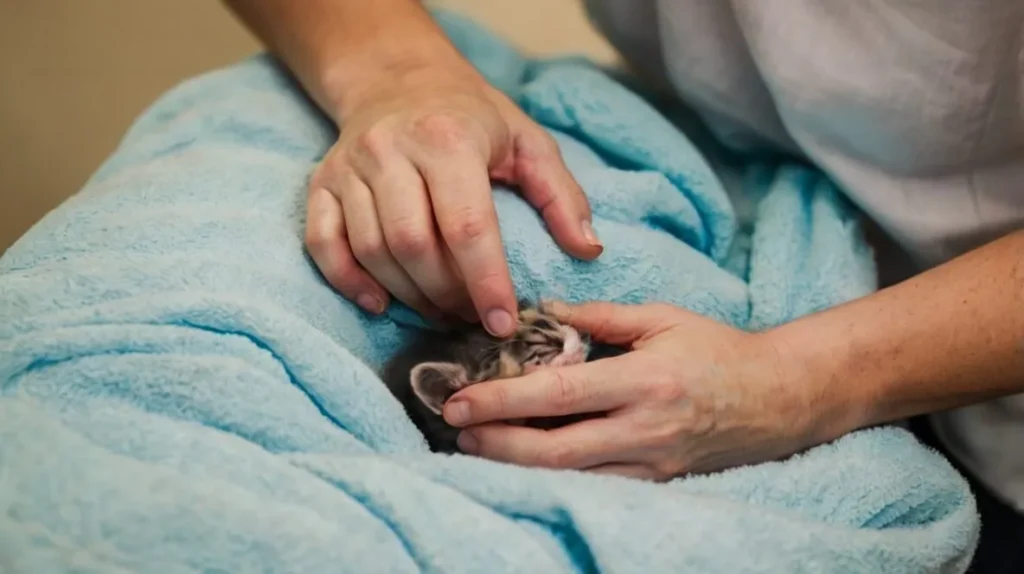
<point x="915" y="108"/>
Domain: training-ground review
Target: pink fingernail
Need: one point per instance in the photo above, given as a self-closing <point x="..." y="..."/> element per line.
<point x="499" y="322"/>
<point x="467" y="443"/>
<point x="589" y="235"/>
<point x="456" y="412"/>
<point x="370" y="303"/>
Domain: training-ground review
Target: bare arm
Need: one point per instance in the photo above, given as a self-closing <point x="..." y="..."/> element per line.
<point x="695" y="395"/>
<point x="401" y="205"/>
<point x="338" y="49"/>
<point x="947" y="338"/>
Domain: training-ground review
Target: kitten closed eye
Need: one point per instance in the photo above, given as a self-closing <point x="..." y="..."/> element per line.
<point x="435" y="366"/>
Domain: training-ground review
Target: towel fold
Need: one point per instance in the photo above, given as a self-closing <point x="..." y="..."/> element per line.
<point x="182" y="392"/>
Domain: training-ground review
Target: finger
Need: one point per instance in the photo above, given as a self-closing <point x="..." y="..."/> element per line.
<point x="577" y="389"/>
<point x="467" y="312"/>
<point x="460" y="191"/>
<point x="637" y="471"/>
<point x="370" y="248"/>
<point x="615" y="323"/>
<point x="328" y="246"/>
<point x="407" y="220"/>
<point x="581" y="445"/>
<point x="546" y="183"/>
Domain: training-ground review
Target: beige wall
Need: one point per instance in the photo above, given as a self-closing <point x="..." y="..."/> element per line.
<point x="76" y="72"/>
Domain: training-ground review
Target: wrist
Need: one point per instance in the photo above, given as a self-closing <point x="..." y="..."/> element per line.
<point x="401" y="56"/>
<point x="818" y="361"/>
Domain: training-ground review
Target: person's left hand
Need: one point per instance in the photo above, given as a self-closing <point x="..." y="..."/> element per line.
<point x="693" y="395"/>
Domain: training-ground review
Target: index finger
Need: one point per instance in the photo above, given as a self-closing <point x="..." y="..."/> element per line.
<point x="592" y="387"/>
<point x="460" y="192"/>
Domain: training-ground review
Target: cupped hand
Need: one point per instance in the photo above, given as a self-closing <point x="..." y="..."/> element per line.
<point x="401" y="205"/>
<point x="692" y="395"/>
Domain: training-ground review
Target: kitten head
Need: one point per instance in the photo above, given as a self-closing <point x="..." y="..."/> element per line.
<point x="540" y="341"/>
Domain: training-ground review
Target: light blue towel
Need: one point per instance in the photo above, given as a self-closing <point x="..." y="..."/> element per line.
<point x="183" y="393"/>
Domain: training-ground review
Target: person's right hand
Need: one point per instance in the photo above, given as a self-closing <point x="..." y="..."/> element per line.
<point x="401" y="205"/>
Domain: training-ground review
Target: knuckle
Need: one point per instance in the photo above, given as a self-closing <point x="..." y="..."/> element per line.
<point x="499" y="401"/>
<point x="639" y="427"/>
<point x="408" y="241"/>
<point x="668" y="468"/>
<point x="701" y="419"/>
<point x="665" y="434"/>
<point x="440" y="130"/>
<point x="467" y="226"/>
<point x="664" y="390"/>
<point x="560" y="455"/>
<point x="369" y="249"/>
<point x="342" y="277"/>
<point x="343" y="280"/>
<point x="604" y="321"/>
<point x="542" y="145"/>
<point x="315" y="240"/>
<point x="375" y="142"/>
<point x="334" y="167"/>
<point x="563" y="391"/>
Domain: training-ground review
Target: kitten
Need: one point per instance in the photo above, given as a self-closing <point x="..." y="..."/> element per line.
<point x="436" y="365"/>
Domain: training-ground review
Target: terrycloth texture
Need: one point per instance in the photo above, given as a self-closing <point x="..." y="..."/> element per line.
<point x="914" y="109"/>
<point x="183" y="393"/>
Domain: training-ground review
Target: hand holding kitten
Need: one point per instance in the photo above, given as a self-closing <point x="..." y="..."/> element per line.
<point x="693" y="395"/>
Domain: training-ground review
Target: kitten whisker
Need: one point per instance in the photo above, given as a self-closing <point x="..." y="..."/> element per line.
<point x="540" y="340"/>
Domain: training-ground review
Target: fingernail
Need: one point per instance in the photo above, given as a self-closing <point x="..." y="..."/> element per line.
<point x="370" y="303"/>
<point x="499" y="322"/>
<point x="589" y="235"/>
<point x="456" y="413"/>
<point x="467" y="443"/>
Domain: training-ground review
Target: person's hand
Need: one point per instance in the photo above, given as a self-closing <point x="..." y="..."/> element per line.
<point x="693" y="395"/>
<point x="401" y="205"/>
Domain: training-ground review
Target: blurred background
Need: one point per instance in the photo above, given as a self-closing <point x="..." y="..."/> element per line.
<point x="77" y="72"/>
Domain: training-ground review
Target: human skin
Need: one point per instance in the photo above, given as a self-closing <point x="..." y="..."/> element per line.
<point x="421" y="135"/>
<point x="709" y="396"/>
<point x="401" y="205"/>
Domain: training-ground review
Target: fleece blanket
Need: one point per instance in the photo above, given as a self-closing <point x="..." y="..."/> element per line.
<point x="182" y="392"/>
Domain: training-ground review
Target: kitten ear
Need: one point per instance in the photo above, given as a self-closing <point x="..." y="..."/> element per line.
<point x="434" y="383"/>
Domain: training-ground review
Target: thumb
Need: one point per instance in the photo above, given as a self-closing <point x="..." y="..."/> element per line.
<point x="546" y="183"/>
<point x="615" y="323"/>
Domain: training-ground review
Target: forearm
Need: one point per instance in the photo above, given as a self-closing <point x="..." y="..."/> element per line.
<point x="339" y="49"/>
<point x="947" y="338"/>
